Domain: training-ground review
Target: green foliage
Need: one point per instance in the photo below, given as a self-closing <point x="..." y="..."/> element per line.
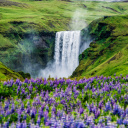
<point x="45" y="88"/>
<point x="13" y="118"/>
<point x="24" y="75"/>
<point x="107" y="54"/>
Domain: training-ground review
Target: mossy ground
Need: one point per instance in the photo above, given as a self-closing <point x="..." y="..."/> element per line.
<point x="107" y="55"/>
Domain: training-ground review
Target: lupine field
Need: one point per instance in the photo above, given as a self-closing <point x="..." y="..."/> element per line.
<point x="97" y="102"/>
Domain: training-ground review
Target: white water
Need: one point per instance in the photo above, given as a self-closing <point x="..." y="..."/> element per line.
<point x="66" y="60"/>
<point x="67" y="51"/>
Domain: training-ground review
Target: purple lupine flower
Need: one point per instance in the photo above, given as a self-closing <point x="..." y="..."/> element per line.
<point x="33" y="112"/>
<point x="55" y="85"/>
<point x="101" y="121"/>
<point x="40" y="113"/>
<point x="117" y="110"/>
<point x="30" y="88"/>
<point x="51" y="83"/>
<point x="63" y="102"/>
<point x="58" y="114"/>
<point x="81" y="110"/>
<point x="38" y="121"/>
<point x="19" y="125"/>
<point x="120" y="121"/>
<point x="94" y="109"/>
<point x="34" y="103"/>
<point x="97" y="114"/>
<point x="46" y="114"/>
<point x="101" y="104"/>
<point x="116" y="77"/>
<point x="125" y="121"/>
<point x="26" y="81"/>
<point x="13" y="108"/>
<point x="39" y="102"/>
<point x="32" y="80"/>
<point x="43" y="94"/>
<point x="108" y="106"/>
<point x="22" y="107"/>
<point x="8" y="112"/>
<point x="79" y="103"/>
<point x="42" y="107"/>
<point x="19" y="117"/>
<point x="2" y="112"/>
<point x="48" y="123"/>
<point x="89" y="108"/>
<point x="47" y="108"/>
<point x="28" y="110"/>
<point x="5" y="83"/>
<point x="11" y="82"/>
<point x="45" y="120"/>
<point x="6" y="125"/>
<point x="54" y="109"/>
<point x="28" y="104"/>
<point x="6" y="106"/>
<point x="81" y="125"/>
<point x="17" y="82"/>
<point x="45" y="81"/>
<point x="24" y="117"/>
<point x="89" y="121"/>
<point x="18" y="90"/>
<point x="112" y="102"/>
<point x="24" y="124"/>
<point x="22" y="90"/>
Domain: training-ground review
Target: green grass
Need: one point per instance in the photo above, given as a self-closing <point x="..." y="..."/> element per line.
<point x="109" y="54"/>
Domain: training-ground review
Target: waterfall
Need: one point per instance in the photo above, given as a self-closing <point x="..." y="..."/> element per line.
<point x="67" y="45"/>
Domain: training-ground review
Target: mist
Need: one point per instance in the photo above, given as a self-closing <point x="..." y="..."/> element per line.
<point x="28" y="59"/>
<point x="78" y="22"/>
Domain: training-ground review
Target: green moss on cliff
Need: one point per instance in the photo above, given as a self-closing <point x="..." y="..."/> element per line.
<point x="107" y="54"/>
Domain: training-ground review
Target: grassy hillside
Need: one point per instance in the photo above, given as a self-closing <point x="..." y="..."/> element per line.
<point x="52" y="15"/>
<point x="107" y="54"/>
<point x="24" y="23"/>
<point x="6" y="73"/>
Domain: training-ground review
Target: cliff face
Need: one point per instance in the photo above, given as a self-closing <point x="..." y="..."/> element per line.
<point x="108" y="51"/>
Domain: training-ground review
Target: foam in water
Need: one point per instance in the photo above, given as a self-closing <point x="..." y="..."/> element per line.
<point x="67" y="47"/>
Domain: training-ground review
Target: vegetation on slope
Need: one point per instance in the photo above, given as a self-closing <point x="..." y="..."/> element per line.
<point x="6" y="73"/>
<point x="107" y="54"/>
